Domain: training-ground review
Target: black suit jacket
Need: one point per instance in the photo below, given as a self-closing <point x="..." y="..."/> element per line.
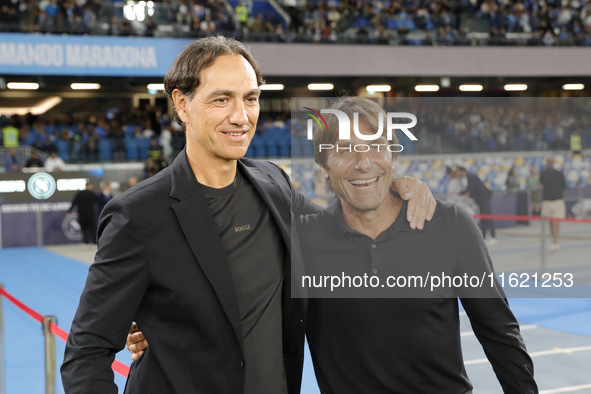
<point x="160" y="262"/>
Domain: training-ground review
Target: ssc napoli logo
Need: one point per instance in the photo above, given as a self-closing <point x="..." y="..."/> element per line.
<point x="41" y="185"/>
<point x="71" y="227"/>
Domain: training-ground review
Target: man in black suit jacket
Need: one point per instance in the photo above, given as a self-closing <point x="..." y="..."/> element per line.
<point x="200" y="253"/>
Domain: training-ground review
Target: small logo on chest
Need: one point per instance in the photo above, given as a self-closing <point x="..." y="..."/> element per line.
<point x="246" y="227"/>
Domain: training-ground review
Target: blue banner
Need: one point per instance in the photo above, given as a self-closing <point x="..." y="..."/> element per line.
<point x="36" y="54"/>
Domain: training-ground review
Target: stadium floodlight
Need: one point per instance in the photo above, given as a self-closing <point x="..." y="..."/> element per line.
<point x="155" y="86"/>
<point x="272" y="86"/>
<point x="515" y="87"/>
<point x="471" y="88"/>
<point x="36" y="109"/>
<point x="427" y="88"/>
<point x="22" y="85"/>
<point x="320" y="86"/>
<point x="378" y="88"/>
<point x="573" y="86"/>
<point x="85" y="86"/>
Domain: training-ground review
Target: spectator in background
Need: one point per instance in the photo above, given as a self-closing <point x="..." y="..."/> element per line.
<point x="166" y="141"/>
<point x="553" y="205"/>
<point x="86" y="203"/>
<point x="48" y="146"/>
<point x="535" y="190"/>
<point x="12" y="162"/>
<point x="151" y="27"/>
<point x="242" y="15"/>
<point x="132" y="181"/>
<point x="90" y="148"/>
<point x="154" y="150"/>
<point x="10" y="134"/>
<point x="54" y="162"/>
<point x="150" y="168"/>
<point x="104" y="196"/>
<point x="512" y="182"/>
<point x="481" y="194"/>
<point x="576" y="142"/>
<point x="34" y="161"/>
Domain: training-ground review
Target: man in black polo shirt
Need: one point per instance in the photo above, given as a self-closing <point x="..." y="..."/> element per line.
<point x="369" y="343"/>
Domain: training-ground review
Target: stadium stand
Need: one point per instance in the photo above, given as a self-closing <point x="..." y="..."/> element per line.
<point x="404" y="22"/>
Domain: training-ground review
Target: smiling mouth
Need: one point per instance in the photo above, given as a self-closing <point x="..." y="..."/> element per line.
<point x="235" y="134"/>
<point x="364" y="183"/>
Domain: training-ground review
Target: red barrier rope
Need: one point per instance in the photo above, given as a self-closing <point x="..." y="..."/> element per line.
<point x="523" y="218"/>
<point x="35" y="315"/>
<point x="117" y="366"/>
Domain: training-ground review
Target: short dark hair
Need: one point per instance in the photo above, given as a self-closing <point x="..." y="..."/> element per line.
<point x="368" y="110"/>
<point x="199" y="55"/>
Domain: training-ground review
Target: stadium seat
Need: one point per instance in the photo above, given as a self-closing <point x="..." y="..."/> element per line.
<point x="63" y="150"/>
<point x="105" y="151"/>
<point x="131" y="148"/>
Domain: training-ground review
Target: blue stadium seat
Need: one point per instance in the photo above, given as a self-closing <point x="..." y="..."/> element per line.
<point x="361" y="22"/>
<point x="271" y="146"/>
<point x="63" y="150"/>
<point x="142" y="145"/>
<point x="284" y="145"/>
<point x="258" y="146"/>
<point x="392" y="24"/>
<point x="131" y="148"/>
<point x="296" y="148"/>
<point x="105" y="151"/>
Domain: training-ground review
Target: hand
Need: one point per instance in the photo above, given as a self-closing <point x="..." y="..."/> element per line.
<point x="421" y="204"/>
<point x="136" y="342"/>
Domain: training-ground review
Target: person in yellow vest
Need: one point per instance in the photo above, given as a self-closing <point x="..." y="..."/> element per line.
<point x="242" y="14"/>
<point x="10" y="135"/>
<point x="576" y="142"/>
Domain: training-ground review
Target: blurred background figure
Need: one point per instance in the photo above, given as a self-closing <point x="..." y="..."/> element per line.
<point x="535" y="190"/>
<point x="10" y="133"/>
<point x="512" y="183"/>
<point x="86" y="203"/>
<point x="576" y="142"/>
<point x="34" y="161"/>
<point x="13" y="162"/>
<point x="104" y="196"/>
<point x="132" y="181"/>
<point x="553" y="205"/>
<point x="477" y="190"/>
<point x="54" y="162"/>
<point x="456" y="185"/>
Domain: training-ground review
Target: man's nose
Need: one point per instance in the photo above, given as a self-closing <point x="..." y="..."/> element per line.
<point x="363" y="161"/>
<point x="239" y="115"/>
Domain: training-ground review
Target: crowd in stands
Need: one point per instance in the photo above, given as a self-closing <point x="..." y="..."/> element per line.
<point x="144" y="134"/>
<point x="413" y="22"/>
<point x="148" y="134"/>
<point x="456" y="22"/>
<point x="475" y="127"/>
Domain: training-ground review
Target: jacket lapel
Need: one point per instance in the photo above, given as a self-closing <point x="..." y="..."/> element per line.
<point x="274" y="199"/>
<point x="200" y="230"/>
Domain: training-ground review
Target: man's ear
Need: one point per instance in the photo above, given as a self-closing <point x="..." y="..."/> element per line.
<point x="181" y="104"/>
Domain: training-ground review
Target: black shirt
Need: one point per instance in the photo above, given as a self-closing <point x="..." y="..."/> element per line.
<point x="554" y="184"/>
<point x="86" y="202"/>
<point x="406" y="345"/>
<point x="255" y="253"/>
<point x="478" y="190"/>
